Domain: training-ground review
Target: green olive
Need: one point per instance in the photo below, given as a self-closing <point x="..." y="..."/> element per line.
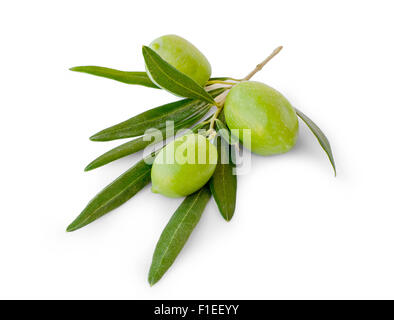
<point x="272" y="120"/>
<point x="184" y="56"/>
<point x="184" y="166"/>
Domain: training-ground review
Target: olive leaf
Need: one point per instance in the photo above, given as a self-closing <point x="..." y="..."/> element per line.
<point x="321" y="137"/>
<point x="222" y="118"/>
<point x="176" y="233"/>
<point x="223" y="79"/>
<point x="138" y="144"/>
<point x="192" y="115"/>
<point x="121" y="151"/>
<point x="218" y="78"/>
<point x="153" y="118"/>
<point x="223" y="183"/>
<point x="172" y="80"/>
<point x="114" y="195"/>
<point x="129" y="77"/>
<point x="203" y="126"/>
<point x="224" y="132"/>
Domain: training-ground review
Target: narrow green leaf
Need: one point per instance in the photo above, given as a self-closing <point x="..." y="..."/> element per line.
<point x="121" y="151"/>
<point x="139" y="144"/>
<point x="321" y="137"/>
<point x="188" y="122"/>
<point x="223" y="79"/>
<point x="176" y="233"/>
<point x="201" y="126"/>
<point x="224" y="132"/>
<point x="169" y="78"/>
<point x="114" y="195"/>
<point x="153" y="118"/>
<point x="234" y="141"/>
<point x="129" y="77"/>
<point x="223" y="183"/>
<point x="218" y="78"/>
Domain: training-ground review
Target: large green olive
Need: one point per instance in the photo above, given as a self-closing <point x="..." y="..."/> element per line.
<point x="272" y="121"/>
<point x="184" y="166"/>
<point x="184" y="56"/>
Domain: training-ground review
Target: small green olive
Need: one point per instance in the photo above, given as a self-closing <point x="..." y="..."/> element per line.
<point x="272" y="120"/>
<point x="184" y="56"/>
<point x="183" y="166"/>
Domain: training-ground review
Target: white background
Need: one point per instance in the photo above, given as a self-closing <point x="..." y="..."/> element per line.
<point x="298" y="232"/>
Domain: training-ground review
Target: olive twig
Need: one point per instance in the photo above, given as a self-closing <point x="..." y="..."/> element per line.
<point x="219" y="105"/>
<point x="262" y="64"/>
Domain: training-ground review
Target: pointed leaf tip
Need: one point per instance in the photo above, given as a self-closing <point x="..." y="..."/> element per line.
<point x="151" y="282"/>
<point x="114" y="195"/>
<point x="321" y="137"/>
<point x="177" y="232"/>
<point x="95" y="137"/>
<point x="180" y="111"/>
<point x="70" y="228"/>
<point x="129" y="77"/>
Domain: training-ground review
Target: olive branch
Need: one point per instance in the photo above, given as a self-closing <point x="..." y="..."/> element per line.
<point x="186" y="113"/>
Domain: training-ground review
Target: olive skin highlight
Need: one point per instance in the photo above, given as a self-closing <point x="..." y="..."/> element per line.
<point x="272" y="120"/>
<point x="183" y="166"/>
<point x="184" y="56"/>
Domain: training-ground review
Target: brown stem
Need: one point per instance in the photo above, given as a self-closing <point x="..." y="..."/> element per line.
<point x="262" y="64"/>
<point x="219" y="106"/>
